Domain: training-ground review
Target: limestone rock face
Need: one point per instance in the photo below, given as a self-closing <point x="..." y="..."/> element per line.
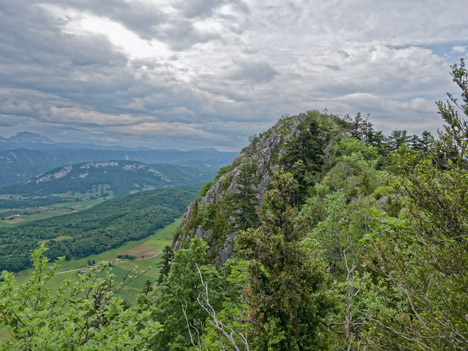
<point x="263" y="156"/>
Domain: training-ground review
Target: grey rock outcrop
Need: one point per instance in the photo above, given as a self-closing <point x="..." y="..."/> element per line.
<point x="264" y="152"/>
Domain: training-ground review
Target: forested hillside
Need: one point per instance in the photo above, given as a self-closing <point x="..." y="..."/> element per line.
<point x="323" y="234"/>
<point x="117" y="178"/>
<point x="98" y="229"/>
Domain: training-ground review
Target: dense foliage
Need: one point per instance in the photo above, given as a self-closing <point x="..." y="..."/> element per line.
<point x="420" y="259"/>
<point x="84" y="314"/>
<point x="286" y="296"/>
<point x="360" y="243"/>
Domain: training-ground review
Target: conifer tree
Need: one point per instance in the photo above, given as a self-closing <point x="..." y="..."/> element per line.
<point x="244" y="199"/>
<point x="286" y="279"/>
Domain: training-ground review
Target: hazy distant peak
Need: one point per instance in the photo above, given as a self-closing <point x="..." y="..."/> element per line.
<point x="30" y="137"/>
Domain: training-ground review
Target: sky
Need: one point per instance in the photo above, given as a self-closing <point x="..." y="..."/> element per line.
<point x="210" y="73"/>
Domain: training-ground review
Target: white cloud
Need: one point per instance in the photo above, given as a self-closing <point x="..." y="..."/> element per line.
<point x="459" y="49"/>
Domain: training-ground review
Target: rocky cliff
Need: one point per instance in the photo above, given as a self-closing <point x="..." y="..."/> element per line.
<point x="229" y="203"/>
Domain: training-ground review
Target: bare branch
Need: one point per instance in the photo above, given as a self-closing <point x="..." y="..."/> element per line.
<point x="352" y="293"/>
<point x="189" y="328"/>
<point x="204" y="302"/>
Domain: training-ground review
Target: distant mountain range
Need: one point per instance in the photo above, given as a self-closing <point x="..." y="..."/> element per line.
<point x="111" y="178"/>
<point x="28" y="137"/>
<point x="27" y="155"/>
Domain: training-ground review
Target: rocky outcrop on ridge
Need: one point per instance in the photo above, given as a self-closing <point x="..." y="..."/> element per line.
<point x="262" y="156"/>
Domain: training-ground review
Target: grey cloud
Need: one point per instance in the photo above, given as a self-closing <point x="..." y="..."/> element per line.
<point x="254" y="72"/>
<point x="398" y="22"/>
<point x="198" y="8"/>
<point x="7" y="120"/>
<point x="140" y="17"/>
<point x="180" y="34"/>
<point x="42" y="57"/>
<point x="414" y="115"/>
<point x="149" y="22"/>
<point x="205" y="8"/>
<point x="229" y="69"/>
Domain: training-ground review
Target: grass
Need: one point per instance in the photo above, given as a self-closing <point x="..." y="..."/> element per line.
<point x="63" y="237"/>
<point x="14" y="220"/>
<point x="58" y="238"/>
<point x="160" y="239"/>
<point x="97" y="190"/>
<point x="36" y="213"/>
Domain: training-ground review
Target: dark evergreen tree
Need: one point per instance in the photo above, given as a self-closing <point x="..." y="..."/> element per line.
<point x="303" y="157"/>
<point x="397" y="139"/>
<point x="426" y="140"/>
<point x="244" y="198"/>
<point x="286" y="279"/>
<point x="167" y="257"/>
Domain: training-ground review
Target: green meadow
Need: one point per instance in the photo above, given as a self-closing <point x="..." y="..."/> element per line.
<point x="42" y="212"/>
<point x="70" y="269"/>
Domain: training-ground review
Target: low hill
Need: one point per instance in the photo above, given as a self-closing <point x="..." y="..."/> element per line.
<point x="102" y="179"/>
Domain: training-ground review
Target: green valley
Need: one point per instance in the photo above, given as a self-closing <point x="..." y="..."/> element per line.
<point x="70" y="269"/>
<point x="103" y="227"/>
<point x="16" y="216"/>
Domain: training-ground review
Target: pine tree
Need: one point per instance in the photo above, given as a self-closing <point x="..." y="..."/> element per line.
<point x="167" y="257"/>
<point x="285" y="296"/>
<point x="244" y="199"/>
<point x="303" y="157"/>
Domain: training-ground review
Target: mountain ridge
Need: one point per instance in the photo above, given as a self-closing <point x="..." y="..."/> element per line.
<point x="122" y="177"/>
<point x="22" y="137"/>
<point x="23" y="163"/>
<point x="38" y="139"/>
<point x="245" y="181"/>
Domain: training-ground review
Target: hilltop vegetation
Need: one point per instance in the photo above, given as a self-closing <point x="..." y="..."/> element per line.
<point x="322" y="235"/>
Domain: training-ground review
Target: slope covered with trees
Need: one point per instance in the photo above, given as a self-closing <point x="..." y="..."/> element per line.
<point x="102" y="179"/>
<point x="323" y="235"/>
<point x="100" y="228"/>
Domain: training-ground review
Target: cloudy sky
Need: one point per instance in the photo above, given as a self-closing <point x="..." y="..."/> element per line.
<point x="209" y="73"/>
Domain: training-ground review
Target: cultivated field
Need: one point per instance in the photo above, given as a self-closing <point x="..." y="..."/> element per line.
<point x="139" y="252"/>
